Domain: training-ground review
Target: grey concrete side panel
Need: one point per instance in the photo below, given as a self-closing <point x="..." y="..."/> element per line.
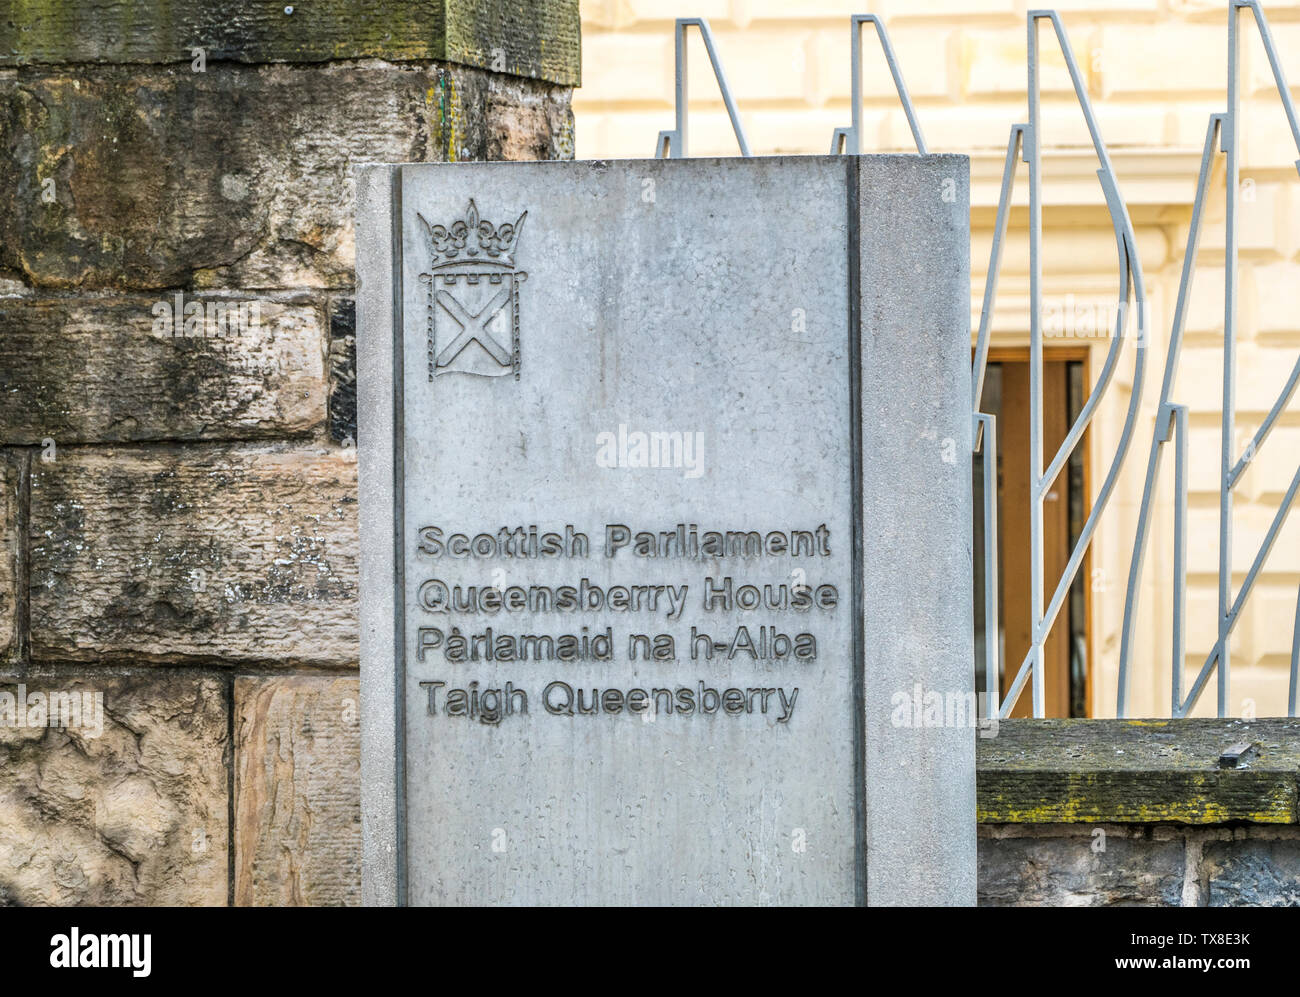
<point x="376" y="433"/>
<point x="917" y="642"/>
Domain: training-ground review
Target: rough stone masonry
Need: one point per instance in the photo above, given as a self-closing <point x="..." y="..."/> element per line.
<point x="177" y="417"/>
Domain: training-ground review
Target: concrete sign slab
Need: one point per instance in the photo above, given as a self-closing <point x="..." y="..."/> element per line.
<point x="665" y="497"/>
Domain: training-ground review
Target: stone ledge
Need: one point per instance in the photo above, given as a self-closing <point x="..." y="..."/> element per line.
<point x="1138" y="771"/>
<point x="154" y="178"/>
<point x="539" y="39"/>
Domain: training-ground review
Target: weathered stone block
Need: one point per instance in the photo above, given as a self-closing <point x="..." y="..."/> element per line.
<point x="1070" y="870"/>
<point x="182" y="554"/>
<point x="1253" y="872"/>
<point x="297" y="791"/>
<point x="539" y="38"/>
<point x="522" y="39"/>
<point x="343" y="371"/>
<point x="135" y="815"/>
<point x="237" y="176"/>
<point x="10" y="475"/>
<point x="521" y="123"/>
<point x="82" y="370"/>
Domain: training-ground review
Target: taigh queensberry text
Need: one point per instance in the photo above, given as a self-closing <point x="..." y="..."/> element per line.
<point x="560" y="699"/>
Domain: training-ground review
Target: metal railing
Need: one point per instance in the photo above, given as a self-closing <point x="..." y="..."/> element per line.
<point x="1171" y="419"/>
<point x="1171" y="423"/>
<point x="672" y="144"/>
<point x="849" y="139"/>
<point x="1027" y="137"/>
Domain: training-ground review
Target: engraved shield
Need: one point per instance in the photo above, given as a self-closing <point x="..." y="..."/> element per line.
<point x="472" y="297"/>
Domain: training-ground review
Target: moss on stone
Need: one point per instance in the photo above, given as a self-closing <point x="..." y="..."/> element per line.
<point x="537" y="39"/>
<point x="1138" y="771"/>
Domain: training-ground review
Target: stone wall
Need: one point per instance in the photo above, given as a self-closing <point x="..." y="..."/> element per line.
<point x="177" y="417"/>
<point x="1164" y="813"/>
<point x="1142" y="865"/>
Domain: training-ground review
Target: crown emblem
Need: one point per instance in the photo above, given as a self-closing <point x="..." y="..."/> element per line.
<point x="473" y="240"/>
<point x="472" y="296"/>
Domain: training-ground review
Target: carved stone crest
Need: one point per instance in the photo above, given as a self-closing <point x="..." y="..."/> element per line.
<point x="472" y="296"/>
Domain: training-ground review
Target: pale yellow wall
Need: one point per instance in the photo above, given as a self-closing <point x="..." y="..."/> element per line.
<point x="1155" y="69"/>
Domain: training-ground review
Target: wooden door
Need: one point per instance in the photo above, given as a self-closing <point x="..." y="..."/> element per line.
<point x="1069" y="634"/>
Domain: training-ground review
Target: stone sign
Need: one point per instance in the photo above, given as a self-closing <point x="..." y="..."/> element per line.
<point x="665" y="499"/>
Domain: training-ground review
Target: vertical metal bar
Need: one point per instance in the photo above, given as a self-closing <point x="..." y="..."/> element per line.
<point x="1161" y="435"/>
<point x="1231" y="148"/>
<point x="1180" y="553"/>
<point x="989" y="456"/>
<point x="1285" y="93"/>
<point x="681" y="87"/>
<point x="1295" y="661"/>
<point x="1033" y="149"/>
<point x="855" y="86"/>
<point x="986" y="432"/>
<point x="1164" y="416"/>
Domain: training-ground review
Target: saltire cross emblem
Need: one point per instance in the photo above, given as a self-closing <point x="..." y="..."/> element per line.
<point x="472" y="296"/>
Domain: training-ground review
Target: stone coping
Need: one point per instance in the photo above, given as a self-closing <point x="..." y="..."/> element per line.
<point x="538" y="39"/>
<point x="1139" y="771"/>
